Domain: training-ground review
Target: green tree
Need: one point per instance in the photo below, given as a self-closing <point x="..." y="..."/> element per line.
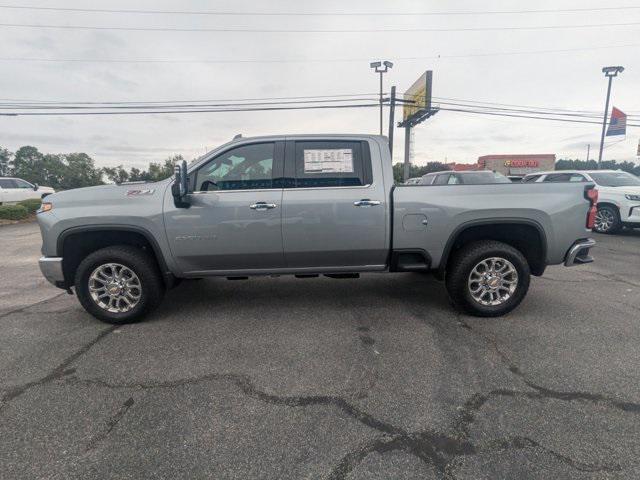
<point x="5" y="162"/>
<point x="52" y="171"/>
<point x="80" y="172"/>
<point x="160" y="171"/>
<point x="116" y="174"/>
<point x="569" y="164"/>
<point x="27" y="163"/>
<point x="137" y="175"/>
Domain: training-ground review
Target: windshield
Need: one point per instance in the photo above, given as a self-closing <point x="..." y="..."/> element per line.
<point x="480" y="178"/>
<point x="615" y="179"/>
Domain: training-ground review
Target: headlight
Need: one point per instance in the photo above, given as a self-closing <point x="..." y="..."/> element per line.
<point x="45" y="207"/>
<point x="633" y="197"/>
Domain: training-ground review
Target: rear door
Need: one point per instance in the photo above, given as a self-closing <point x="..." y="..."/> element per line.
<point x="10" y="191"/>
<point x="334" y="206"/>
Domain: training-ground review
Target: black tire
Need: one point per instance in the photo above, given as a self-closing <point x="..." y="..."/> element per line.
<point x="138" y="261"/>
<point x="466" y="259"/>
<point x="613" y="224"/>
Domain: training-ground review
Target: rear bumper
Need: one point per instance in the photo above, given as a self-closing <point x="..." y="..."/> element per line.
<point x="51" y="268"/>
<point x="578" y="254"/>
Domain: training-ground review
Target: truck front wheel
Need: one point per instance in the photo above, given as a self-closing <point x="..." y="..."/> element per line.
<point x="119" y="284"/>
<point x="487" y="278"/>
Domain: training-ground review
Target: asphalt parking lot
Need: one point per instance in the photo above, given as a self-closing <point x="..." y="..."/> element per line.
<point x="376" y="378"/>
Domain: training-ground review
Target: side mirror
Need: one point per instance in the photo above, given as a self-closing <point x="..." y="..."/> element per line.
<point x="180" y="187"/>
<point x="35" y="187"/>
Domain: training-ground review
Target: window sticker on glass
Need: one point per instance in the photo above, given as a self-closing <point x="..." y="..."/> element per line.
<point x="328" y="161"/>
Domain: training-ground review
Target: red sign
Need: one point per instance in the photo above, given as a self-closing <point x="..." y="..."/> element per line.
<point x="521" y="163"/>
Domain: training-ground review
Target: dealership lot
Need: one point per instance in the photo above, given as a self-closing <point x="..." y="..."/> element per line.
<point x="324" y="378"/>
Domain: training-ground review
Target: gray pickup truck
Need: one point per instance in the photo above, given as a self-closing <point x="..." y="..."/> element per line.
<point x="307" y="205"/>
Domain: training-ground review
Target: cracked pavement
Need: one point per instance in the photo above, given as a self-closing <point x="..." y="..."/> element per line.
<point x="375" y="378"/>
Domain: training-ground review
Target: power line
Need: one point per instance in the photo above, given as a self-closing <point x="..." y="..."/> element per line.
<point x="306" y="97"/>
<point x="280" y="108"/>
<point x="176" y="106"/>
<point x="365" y="30"/>
<point x="498" y="114"/>
<point x="337" y="98"/>
<point x="477" y="103"/>
<point x="200" y="110"/>
<point x="315" y="14"/>
<point x="308" y="60"/>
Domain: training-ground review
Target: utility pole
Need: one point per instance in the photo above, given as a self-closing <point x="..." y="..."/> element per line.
<point x="381" y="67"/>
<point x="609" y="72"/>
<point x="588" y="150"/>
<point x="392" y="111"/>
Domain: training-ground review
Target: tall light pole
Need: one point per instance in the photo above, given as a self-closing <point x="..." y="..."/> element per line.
<point x="381" y="68"/>
<point x="609" y="72"/>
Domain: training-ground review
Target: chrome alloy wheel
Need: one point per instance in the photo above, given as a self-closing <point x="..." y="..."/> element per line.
<point x="493" y="281"/>
<point x="604" y="220"/>
<point x="115" y="288"/>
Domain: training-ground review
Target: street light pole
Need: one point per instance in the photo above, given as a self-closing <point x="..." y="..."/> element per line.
<point x="609" y="72"/>
<point x="381" y="100"/>
<point x="381" y="68"/>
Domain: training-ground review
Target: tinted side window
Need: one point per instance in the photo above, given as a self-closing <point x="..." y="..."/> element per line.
<point x="558" y="177"/>
<point x="241" y="168"/>
<point x="23" y="184"/>
<point x="442" y="179"/>
<point x="332" y="164"/>
<point x="427" y="180"/>
<point x="453" y="180"/>
<point x="531" y="179"/>
<point x="7" y="183"/>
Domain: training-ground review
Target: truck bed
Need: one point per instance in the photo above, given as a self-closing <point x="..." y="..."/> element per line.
<point x="431" y="215"/>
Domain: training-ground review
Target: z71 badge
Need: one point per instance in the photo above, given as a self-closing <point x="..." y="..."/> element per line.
<point x="137" y="193"/>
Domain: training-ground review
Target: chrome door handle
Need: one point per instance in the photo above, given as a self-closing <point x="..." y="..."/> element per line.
<point x="365" y="202"/>
<point x="262" y="206"/>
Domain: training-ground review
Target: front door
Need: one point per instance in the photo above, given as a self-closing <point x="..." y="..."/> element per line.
<point x="334" y="214"/>
<point x="234" y="221"/>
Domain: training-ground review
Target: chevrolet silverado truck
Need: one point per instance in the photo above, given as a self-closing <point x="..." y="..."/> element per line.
<point x="307" y="205"/>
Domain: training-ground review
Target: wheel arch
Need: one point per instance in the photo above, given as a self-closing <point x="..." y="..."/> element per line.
<point x="75" y="243"/>
<point x="528" y="236"/>
<point x="608" y="203"/>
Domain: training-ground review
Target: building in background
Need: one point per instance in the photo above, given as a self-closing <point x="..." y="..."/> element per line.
<point x="517" y="165"/>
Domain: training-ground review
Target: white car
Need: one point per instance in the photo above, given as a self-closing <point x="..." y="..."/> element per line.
<point x="618" y="195"/>
<point x="14" y="190"/>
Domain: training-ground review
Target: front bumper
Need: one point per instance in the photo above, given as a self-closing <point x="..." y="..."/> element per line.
<point x="51" y="268"/>
<point x="578" y="254"/>
<point x="632" y="214"/>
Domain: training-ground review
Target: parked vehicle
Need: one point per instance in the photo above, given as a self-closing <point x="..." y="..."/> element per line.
<point x="618" y="195"/>
<point x="413" y="181"/>
<point x="13" y="190"/>
<point x="476" y="177"/>
<point x="307" y="205"/>
<point x="515" y="178"/>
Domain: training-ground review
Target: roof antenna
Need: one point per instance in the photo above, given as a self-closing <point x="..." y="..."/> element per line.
<point x="237" y="136"/>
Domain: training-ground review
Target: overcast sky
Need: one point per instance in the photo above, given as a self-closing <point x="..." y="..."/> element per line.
<point x="565" y="80"/>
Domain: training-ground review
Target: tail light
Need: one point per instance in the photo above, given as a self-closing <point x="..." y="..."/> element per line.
<point x="591" y="194"/>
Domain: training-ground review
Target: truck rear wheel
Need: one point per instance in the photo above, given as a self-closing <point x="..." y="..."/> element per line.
<point x="119" y="284"/>
<point x="487" y="278"/>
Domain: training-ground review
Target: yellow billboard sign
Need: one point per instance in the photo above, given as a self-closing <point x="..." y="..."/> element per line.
<point x="419" y="96"/>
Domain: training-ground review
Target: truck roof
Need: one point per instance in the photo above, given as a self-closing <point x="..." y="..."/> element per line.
<point x="309" y="135"/>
